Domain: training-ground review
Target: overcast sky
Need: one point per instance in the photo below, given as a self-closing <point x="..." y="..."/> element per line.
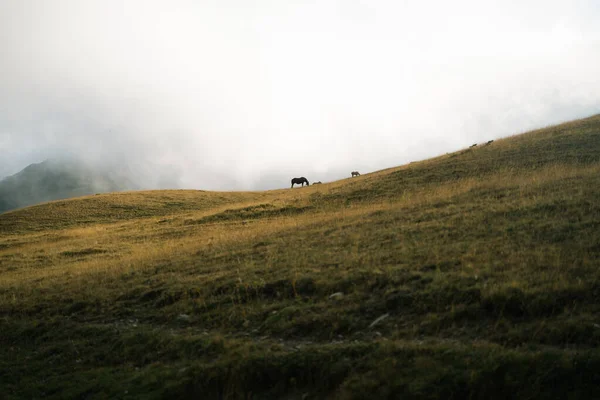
<point x="237" y="95"/>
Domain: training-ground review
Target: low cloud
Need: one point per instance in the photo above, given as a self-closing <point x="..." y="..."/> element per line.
<point x="232" y="96"/>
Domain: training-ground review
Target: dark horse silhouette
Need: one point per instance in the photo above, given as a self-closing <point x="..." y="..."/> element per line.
<point x="299" y="181"/>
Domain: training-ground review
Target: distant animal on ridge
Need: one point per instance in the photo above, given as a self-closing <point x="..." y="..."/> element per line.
<point x="317" y="183"/>
<point x="355" y="173"/>
<point x="299" y="181"/>
<point x="490" y="142"/>
<point x="474" y="145"/>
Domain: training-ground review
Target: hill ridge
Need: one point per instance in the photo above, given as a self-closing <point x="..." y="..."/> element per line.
<point x="472" y="274"/>
<point x="55" y="179"/>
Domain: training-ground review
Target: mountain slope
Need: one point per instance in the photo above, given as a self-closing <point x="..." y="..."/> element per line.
<point x="56" y="179"/>
<point x="470" y="275"/>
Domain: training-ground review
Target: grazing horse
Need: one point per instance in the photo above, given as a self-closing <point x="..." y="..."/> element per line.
<point x="355" y="173"/>
<point x="299" y="181"/>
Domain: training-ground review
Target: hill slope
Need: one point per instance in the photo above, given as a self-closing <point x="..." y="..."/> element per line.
<point x="56" y="179"/>
<point x="474" y="274"/>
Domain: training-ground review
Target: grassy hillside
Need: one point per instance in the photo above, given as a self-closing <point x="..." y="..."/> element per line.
<point x="471" y="275"/>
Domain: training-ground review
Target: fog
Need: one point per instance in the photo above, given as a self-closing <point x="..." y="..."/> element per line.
<point x="243" y="95"/>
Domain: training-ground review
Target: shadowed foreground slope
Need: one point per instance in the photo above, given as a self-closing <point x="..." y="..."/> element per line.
<point x="471" y="274"/>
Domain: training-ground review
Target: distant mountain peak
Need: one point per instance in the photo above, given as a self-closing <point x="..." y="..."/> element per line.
<point x="58" y="178"/>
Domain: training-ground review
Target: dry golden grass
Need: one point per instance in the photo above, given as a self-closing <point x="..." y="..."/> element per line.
<point x="488" y="254"/>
